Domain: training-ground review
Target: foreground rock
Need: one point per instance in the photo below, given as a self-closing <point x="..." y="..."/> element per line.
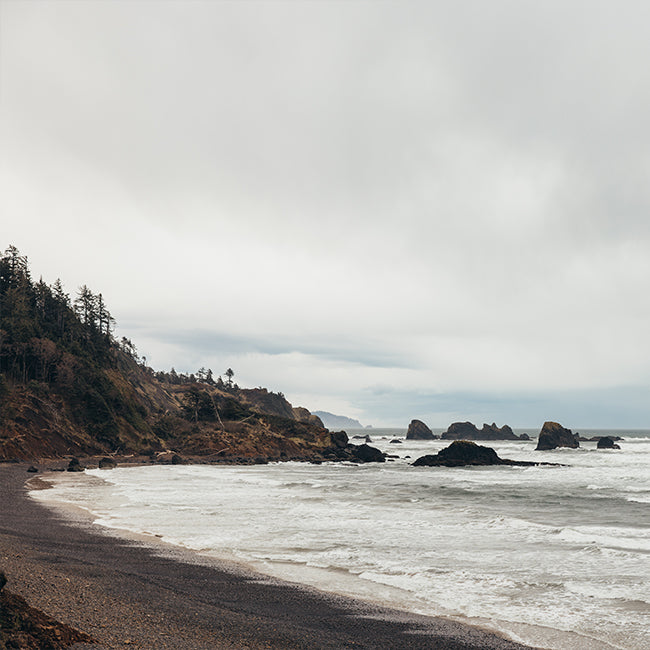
<point x="606" y="443"/>
<point x="419" y="431"/>
<point x="465" y="452"/>
<point x="22" y="626"/>
<point x="468" y="431"/>
<point x="554" y="435"/>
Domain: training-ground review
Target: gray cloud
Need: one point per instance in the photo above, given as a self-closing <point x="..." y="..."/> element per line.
<point x="442" y="198"/>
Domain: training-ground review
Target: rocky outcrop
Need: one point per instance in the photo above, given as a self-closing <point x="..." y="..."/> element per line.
<point x="339" y="439"/>
<point x="554" y="435"/>
<point x="419" y="431"/>
<point x="605" y="442"/>
<point x="464" y="452"/>
<point x="341" y="450"/>
<point x="301" y="414"/>
<point x="468" y="431"/>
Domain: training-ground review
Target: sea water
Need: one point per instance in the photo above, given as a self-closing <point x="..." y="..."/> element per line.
<point x="554" y="556"/>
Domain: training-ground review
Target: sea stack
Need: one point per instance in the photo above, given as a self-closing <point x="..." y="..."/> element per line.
<point x="468" y="431"/>
<point x="419" y="431"/>
<point x="554" y="435"/>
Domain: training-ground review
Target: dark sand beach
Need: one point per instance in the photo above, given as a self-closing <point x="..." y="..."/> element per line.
<point x="125" y="594"/>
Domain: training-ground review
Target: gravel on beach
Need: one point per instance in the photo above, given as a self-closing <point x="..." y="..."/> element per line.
<point x="128" y="595"/>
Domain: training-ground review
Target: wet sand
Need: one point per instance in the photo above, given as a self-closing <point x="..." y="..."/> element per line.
<point x="126" y="594"/>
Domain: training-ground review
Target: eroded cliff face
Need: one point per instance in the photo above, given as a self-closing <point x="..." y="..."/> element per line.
<point x="194" y="420"/>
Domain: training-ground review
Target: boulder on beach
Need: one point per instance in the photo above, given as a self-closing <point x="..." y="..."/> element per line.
<point x="605" y="442"/>
<point x="554" y="435"/>
<point x="75" y="466"/>
<point x="419" y="431"/>
<point x="107" y="463"/>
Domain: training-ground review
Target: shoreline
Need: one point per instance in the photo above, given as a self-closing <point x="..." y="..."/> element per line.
<point x="122" y="592"/>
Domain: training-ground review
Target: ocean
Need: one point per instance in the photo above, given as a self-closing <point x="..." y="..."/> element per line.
<point x="555" y="557"/>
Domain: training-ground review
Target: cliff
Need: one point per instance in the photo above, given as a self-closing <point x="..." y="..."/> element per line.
<point x="68" y="387"/>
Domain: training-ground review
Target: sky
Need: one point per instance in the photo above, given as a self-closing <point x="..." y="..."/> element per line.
<point x="387" y="210"/>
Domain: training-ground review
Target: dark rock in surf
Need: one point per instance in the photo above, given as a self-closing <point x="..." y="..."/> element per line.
<point x="107" y="463"/>
<point x="460" y="452"/>
<point x="607" y="443"/>
<point x="554" y="435"/>
<point x="419" y="431"/>
<point x="366" y="454"/>
<point x="177" y="460"/>
<point x="75" y="466"/>
<point x="465" y="452"/>
<point x="32" y="470"/>
<point x="395" y="441"/>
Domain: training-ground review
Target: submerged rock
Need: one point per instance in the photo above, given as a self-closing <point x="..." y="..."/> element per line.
<point x="554" y="435"/>
<point x="419" y="431"/>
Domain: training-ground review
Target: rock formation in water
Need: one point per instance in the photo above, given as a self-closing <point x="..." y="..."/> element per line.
<point x="605" y="442"/>
<point x="342" y="450"/>
<point x="419" y="431"/>
<point x="468" y="431"/>
<point x="465" y="452"/>
<point x="554" y="435"/>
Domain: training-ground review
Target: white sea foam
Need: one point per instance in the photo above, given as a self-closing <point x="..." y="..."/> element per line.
<point x="532" y="549"/>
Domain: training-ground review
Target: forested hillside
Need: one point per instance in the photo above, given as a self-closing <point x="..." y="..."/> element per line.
<point x="68" y="387"/>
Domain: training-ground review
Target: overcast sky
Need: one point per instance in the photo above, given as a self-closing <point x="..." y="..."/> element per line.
<point x="387" y="210"/>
